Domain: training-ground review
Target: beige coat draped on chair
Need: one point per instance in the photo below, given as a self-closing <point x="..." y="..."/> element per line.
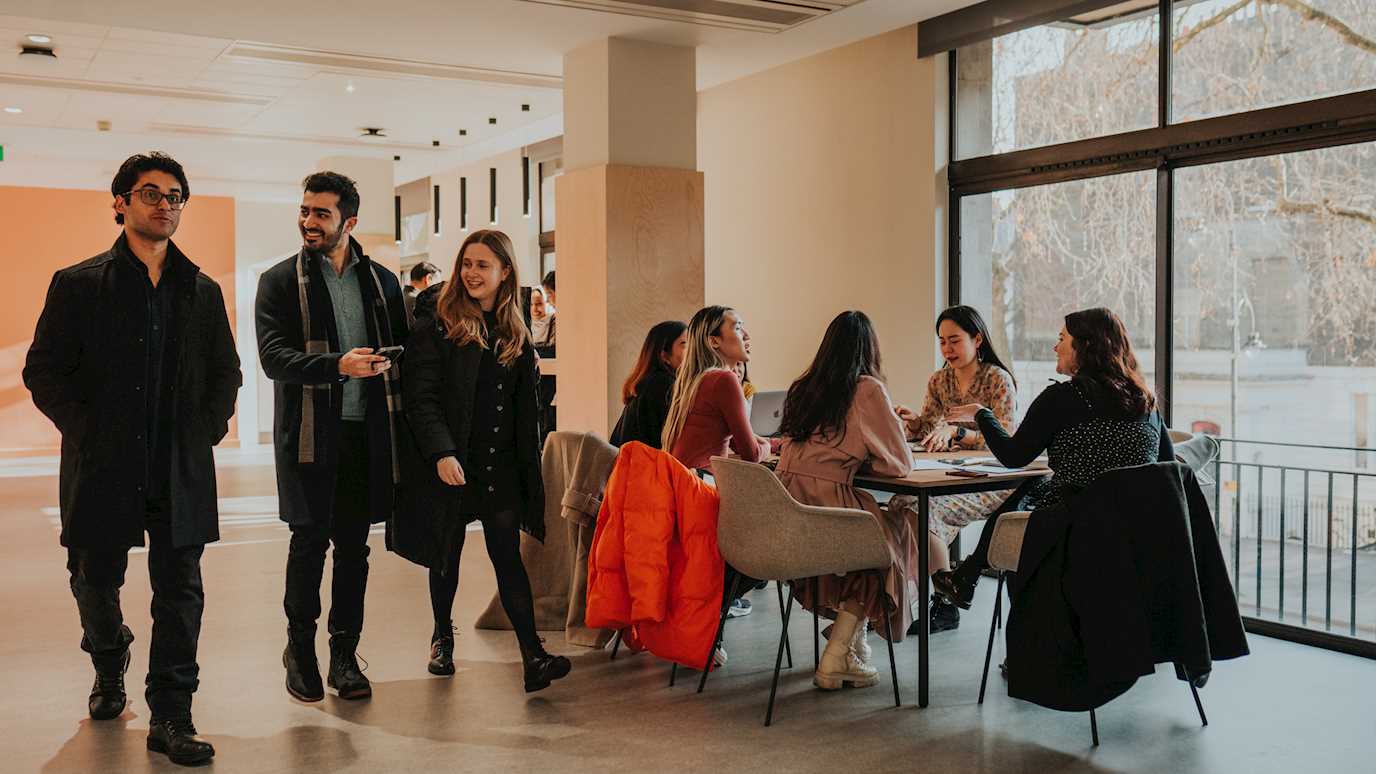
<point x="575" y="468"/>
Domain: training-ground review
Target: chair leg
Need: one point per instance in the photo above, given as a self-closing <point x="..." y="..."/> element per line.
<point x="893" y="663"/>
<point x="778" y="658"/>
<point x="1094" y="727"/>
<point x="721" y="627"/>
<point x="989" y="649"/>
<point x="788" y="646"/>
<point x="816" y="636"/>
<point x="617" y="644"/>
<point x="673" y="674"/>
<point x="1199" y="705"/>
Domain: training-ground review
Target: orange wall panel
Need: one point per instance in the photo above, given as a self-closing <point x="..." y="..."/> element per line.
<point x="46" y="229"/>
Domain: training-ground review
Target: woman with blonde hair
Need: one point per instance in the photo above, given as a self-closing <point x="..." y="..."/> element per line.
<point x="708" y="411"/>
<point x="471" y="398"/>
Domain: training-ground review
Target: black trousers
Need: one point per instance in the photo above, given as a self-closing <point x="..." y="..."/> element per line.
<point x="178" y="601"/>
<point x="348" y="531"/>
<point x="501" y="532"/>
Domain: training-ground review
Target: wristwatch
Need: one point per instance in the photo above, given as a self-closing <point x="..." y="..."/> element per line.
<point x="960" y="434"/>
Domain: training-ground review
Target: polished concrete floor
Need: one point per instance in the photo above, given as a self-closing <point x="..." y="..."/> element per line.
<point x="1286" y="708"/>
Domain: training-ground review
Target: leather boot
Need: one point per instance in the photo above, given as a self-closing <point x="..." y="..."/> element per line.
<point x="345" y="676"/>
<point x="860" y="643"/>
<point x="303" y="670"/>
<point x="108" y="699"/>
<point x="442" y="650"/>
<point x="178" y="741"/>
<point x="839" y="666"/>
<point x="541" y="668"/>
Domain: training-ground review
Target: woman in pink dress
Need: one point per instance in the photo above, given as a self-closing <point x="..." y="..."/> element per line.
<point x="838" y="420"/>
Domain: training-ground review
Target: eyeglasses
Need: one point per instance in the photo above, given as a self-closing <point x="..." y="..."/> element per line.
<point x="153" y="197"/>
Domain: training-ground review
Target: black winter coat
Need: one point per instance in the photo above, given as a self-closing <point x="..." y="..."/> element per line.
<point x="1123" y="576"/>
<point x="439" y="384"/>
<point x="85" y="372"/>
<point x="305" y="492"/>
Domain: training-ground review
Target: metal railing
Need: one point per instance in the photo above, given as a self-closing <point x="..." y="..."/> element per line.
<point x="1316" y="520"/>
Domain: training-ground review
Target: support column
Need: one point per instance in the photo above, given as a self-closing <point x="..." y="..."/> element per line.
<point x="630" y="204"/>
<point x="376" y="208"/>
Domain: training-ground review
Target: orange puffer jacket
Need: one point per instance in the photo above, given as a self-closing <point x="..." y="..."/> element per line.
<point x="654" y="567"/>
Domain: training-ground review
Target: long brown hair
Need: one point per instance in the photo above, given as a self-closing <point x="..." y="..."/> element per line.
<point x="658" y="342"/>
<point x="700" y="359"/>
<point x="819" y="400"/>
<point x="462" y="316"/>
<point x="1104" y="358"/>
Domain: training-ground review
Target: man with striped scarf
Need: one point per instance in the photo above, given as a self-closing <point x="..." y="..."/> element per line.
<point x="322" y="315"/>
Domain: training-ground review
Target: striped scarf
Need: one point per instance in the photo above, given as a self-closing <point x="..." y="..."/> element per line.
<point x="319" y="346"/>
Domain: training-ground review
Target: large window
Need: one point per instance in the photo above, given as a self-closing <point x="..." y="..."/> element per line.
<point x="1232" y="56"/>
<point x="1028" y="89"/>
<point x="1035" y="254"/>
<point x="1224" y="208"/>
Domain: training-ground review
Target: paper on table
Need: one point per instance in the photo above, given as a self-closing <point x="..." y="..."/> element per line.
<point x="931" y="465"/>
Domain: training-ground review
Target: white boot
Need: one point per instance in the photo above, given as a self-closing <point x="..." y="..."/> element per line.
<point x="860" y="645"/>
<point x="839" y="666"/>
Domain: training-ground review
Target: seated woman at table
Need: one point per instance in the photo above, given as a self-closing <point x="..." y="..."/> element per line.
<point x="973" y="373"/>
<point x="646" y="394"/>
<point x="838" y="420"/>
<point x="708" y="411"/>
<point x="1103" y="418"/>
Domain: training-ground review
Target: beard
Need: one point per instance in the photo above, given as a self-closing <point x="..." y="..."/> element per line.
<point x="328" y="241"/>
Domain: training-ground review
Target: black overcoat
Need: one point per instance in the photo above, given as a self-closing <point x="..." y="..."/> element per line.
<point x="85" y="370"/>
<point x="439" y="385"/>
<point x="305" y="492"/>
<point x="1123" y="576"/>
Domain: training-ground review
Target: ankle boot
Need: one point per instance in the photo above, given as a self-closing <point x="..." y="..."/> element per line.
<point x="108" y="699"/>
<point x="345" y="675"/>
<point x="860" y="644"/>
<point x="839" y="666"/>
<point x="177" y="740"/>
<point x="541" y="668"/>
<point x="303" y="670"/>
<point x="957" y="586"/>
<point x="442" y="650"/>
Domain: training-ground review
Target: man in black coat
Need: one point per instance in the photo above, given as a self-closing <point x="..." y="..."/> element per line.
<point x="322" y="315"/>
<point x="134" y="361"/>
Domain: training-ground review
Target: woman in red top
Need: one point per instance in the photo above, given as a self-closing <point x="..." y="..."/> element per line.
<point x="708" y="410"/>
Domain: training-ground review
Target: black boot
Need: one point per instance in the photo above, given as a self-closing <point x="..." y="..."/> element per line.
<point x="541" y="668"/>
<point x="178" y="741"/>
<point x="107" y="694"/>
<point x="945" y="616"/>
<point x="345" y="676"/>
<point x="442" y="650"/>
<point x="303" y="670"/>
<point x="957" y="587"/>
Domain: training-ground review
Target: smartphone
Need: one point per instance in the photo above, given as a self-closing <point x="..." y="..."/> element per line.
<point x="391" y="353"/>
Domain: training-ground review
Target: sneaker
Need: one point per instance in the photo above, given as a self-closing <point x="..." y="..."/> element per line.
<point x="739" y="608"/>
<point x="719" y="657"/>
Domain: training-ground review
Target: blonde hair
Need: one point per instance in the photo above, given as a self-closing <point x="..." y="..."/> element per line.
<point x="462" y="316"/>
<point x="698" y="360"/>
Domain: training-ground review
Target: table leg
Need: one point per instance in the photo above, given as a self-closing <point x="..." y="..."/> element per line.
<point x="924" y="593"/>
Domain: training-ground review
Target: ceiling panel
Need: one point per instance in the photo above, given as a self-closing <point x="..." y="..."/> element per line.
<point x="187" y="113"/>
<point x="125" y="113"/>
<point x="145" y="68"/>
<point x="42" y="107"/>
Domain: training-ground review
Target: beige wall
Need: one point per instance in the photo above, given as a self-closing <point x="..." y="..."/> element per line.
<point x="822" y="183"/>
<point x="444" y="247"/>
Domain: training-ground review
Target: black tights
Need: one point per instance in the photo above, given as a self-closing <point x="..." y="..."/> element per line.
<point x="503" y="537"/>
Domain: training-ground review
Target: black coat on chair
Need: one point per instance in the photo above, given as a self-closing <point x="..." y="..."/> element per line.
<point x="1124" y="576"/>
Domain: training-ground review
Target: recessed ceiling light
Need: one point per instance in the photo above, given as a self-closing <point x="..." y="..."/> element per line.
<point x="36" y="38"/>
<point x="14" y="110"/>
<point x="349" y="87"/>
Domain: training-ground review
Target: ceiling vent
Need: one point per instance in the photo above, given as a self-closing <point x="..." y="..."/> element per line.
<point x="373" y="133"/>
<point x="749" y="15"/>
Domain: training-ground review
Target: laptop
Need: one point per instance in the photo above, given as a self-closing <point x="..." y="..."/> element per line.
<point x="766" y="411"/>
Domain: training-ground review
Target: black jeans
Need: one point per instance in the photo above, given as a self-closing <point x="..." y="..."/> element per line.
<point x="178" y="601"/>
<point x="348" y="530"/>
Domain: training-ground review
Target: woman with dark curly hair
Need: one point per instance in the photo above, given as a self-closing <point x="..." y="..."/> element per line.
<point x="1103" y="418"/>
